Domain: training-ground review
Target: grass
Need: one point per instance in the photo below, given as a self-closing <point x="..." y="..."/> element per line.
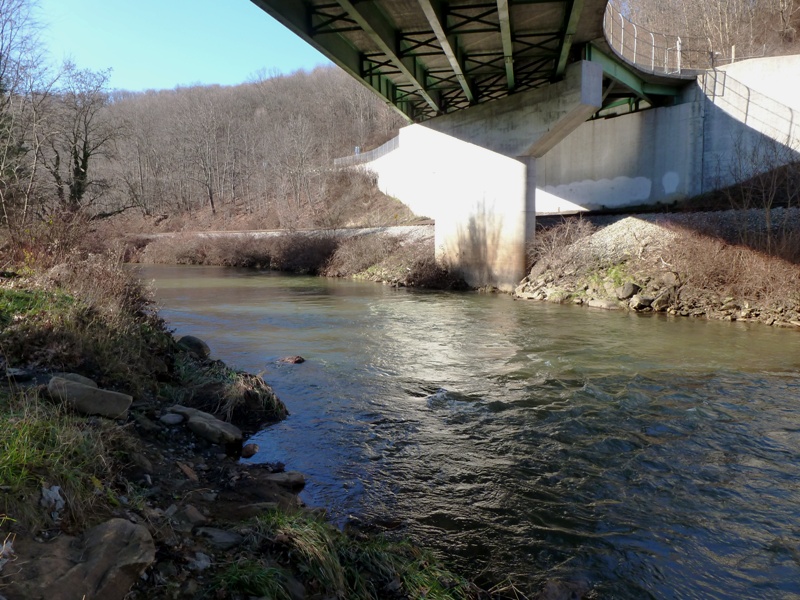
<point x="18" y="304"/>
<point x="90" y="317"/>
<point x="234" y="396"/>
<point x="42" y="445"/>
<point x="251" y="577"/>
<point x="332" y="564"/>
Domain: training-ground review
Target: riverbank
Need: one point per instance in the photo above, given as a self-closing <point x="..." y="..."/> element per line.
<point x="120" y="463"/>
<point x="728" y="265"/>
<point x="398" y="256"/>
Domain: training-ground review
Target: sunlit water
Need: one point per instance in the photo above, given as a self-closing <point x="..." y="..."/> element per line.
<point x="648" y="456"/>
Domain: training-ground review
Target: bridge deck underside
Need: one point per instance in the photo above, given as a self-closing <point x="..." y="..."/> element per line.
<point x="428" y="58"/>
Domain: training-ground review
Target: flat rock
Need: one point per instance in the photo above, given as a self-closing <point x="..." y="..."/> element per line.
<point x="208" y="427"/>
<point x="88" y="400"/>
<point x="171" y="419"/>
<point x="603" y="303"/>
<point x="19" y="375"/>
<point x="102" y="563"/>
<point x="76" y="378"/>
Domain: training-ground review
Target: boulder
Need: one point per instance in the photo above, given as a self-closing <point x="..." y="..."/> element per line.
<point x="249" y="450"/>
<point x="606" y="304"/>
<point x="627" y="290"/>
<point x="194" y="345"/>
<point x="208" y="426"/>
<point x="76" y="378"/>
<point x="663" y="301"/>
<point x="88" y="400"/>
<point x="102" y="563"/>
<point x="289" y="479"/>
<point x="638" y="302"/>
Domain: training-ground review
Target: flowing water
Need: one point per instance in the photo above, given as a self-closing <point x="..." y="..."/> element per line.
<point x="648" y="456"/>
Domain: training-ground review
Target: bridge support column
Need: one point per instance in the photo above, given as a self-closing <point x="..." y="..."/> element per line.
<point x="529" y="212"/>
<point x="474" y="172"/>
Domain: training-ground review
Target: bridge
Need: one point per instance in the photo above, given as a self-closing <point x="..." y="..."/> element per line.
<point x="525" y="107"/>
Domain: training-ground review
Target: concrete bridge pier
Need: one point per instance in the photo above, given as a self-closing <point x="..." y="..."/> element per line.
<point x="474" y="172"/>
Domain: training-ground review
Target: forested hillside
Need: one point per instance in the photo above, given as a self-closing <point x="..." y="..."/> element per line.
<point x="70" y="147"/>
<point x="731" y="28"/>
<point x="259" y="153"/>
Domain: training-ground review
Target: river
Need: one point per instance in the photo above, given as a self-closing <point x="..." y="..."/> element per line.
<point x="648" y="456"/>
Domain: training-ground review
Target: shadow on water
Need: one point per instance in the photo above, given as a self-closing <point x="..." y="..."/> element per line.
<point x="651" y="457"/>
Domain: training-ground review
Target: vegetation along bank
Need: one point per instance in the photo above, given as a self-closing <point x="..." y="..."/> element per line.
<point x="120" y="470"/>
<point x="736" y="265"/>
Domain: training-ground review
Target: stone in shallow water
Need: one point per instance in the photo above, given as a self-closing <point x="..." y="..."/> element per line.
<point x="292" y="360"/>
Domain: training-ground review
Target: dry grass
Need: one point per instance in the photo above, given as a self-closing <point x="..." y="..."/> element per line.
<point x="710" y="265"/>
<point x="550" y="245"/>
<point x="240" y="398"/>
<point x="356" y="254"/>
<point x="88" y="316"/>
<point x="296" y="253"/>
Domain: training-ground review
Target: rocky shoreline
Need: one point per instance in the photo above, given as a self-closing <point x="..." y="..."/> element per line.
<point x="689" y="265"/>
<point x="187" y="486"/>
<point x="166" y="507"/>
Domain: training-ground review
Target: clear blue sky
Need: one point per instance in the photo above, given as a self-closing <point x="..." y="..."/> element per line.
<point x="159" y="44"/>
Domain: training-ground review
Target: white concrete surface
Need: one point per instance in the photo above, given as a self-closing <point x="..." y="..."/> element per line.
<point x="483" y="174"/>
<point x="476" y="197"/>
<point x="777" y="77"/>
<point x="641" y="158"/>
<point x="529" y="123"/>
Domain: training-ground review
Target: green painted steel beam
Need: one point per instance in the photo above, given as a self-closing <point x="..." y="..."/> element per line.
<point x="572" y="14"/>
<point x="435" y="14"/>
<point x="508" y="42"/>
<point x="385" y="36"/>
<point x="296" y="16"/>
<point x="623" y="75"/>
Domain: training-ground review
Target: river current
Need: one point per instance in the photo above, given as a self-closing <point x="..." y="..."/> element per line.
<point x="647" y="456"/>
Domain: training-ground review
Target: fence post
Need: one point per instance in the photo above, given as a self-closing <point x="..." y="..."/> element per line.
<point x="679" y="55"/>
<point x="635" y="38"/>
<point x="653" y="54"/>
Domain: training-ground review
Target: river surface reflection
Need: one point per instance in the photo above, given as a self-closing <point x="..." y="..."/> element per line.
<point x="648" y="456"/>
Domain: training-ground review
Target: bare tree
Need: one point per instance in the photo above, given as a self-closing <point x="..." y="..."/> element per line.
<point x="81" y="130"/>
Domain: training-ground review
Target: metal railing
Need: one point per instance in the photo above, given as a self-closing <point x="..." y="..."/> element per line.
<point x="365" y="157"/>
<point x="652" y="52"/>
<point x="754" y="109"/>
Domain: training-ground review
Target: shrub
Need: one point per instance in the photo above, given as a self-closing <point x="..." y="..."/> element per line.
<point x="550" y="244"/>
<point x="355" y="254"/>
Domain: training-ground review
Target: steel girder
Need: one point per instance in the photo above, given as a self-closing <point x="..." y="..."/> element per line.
<point x="429" y="57"/>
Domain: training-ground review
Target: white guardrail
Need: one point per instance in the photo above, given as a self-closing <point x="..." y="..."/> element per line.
<point x="652" y="52"/>
<point x="365" y="157"/>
